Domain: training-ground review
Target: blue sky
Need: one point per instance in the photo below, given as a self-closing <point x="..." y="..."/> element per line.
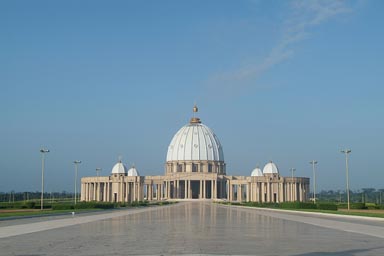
<point x="288" y="81"/>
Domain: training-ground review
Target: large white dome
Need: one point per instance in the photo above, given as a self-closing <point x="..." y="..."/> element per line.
<point x="195" y="142"/>
<point x="119" y="168"/>
<point x="270" y="168"/>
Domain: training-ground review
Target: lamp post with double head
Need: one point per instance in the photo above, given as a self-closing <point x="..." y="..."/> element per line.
<point x="76" y="162"/>
<point x="313" y="162"/>
<point x="43" y="152"/>
<point x="98" y="170"/>
<point x="346" y="152"/>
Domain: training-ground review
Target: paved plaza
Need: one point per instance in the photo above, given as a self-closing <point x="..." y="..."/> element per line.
<point x="192" y="228"/>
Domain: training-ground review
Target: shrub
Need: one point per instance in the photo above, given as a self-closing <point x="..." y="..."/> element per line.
<point x="95" y="205"/>
<point x="358" y="206"/>
<point x="59" y="206"/>
<point x="135" y="203"/>
<point x="163" y="203"/>
<point x="29" y="205"/>
<point x="352" y="206"/>
<point x="372" y="206"/>
<point x="324" y="206"/>
<point x="297" y="205"/>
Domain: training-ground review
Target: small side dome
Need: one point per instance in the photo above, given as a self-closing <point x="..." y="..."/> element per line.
<point x="257" y="172"/>
<point x="270" y="168"/>
<point x="119" y="168"/>
<point x="133" y="172"/>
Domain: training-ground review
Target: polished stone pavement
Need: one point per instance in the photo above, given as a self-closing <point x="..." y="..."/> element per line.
<point x="193" y="228"/>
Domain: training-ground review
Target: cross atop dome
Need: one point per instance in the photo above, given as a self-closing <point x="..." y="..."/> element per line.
<point x="194" y="119"/>
<point x="195" y="109"/>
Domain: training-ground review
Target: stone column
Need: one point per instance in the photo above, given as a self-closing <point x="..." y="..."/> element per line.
<point x="126" y="192"/>
<point x="301" y="192"/>
<point x="215" y="189"/>
<point x="156" y="188"/>
<point x="85" y="192"/>
<point x="82" y="192"/>
<point x="204" y="189"/>
<point x="250" y="192"/>
<point x="109" y="192"/>
<point x="88" y="191"/>
<point x="228" y="191"/>
<point x="168" y="189"/>
<point x="121" y="194"/>
<point x="257" y="192"/>
<point x="185" y="189"/>
<point x="263" y="184"/>
<point x="141" y="191"/>
<point x="97" y="191"/>
<point x="105" y="192"/>
<point x="102" y="195"/>
<point x="282" y="199"/>
<point x="240" y="193"/>
<point x="201" y="189"/>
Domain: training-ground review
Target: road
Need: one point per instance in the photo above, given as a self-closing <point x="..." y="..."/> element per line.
<point x="192" y="228"/>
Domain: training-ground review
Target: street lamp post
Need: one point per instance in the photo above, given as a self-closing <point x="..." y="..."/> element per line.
<point x="292" y="193"/>
<point x="76" y="162"/>
<point x="42" y="151"/>
<point x="313" y="162"/>
<point x="346" y="152"/>
<point x="98" y="170"/>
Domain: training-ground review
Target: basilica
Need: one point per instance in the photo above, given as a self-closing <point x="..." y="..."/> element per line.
<point x="195" y="169"/>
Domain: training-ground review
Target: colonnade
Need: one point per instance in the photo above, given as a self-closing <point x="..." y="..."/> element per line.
<point x="183" y="189"/>
<point x="112" y="191"/>
<point x="266" y="191"/>
<point x="232" y="188"/>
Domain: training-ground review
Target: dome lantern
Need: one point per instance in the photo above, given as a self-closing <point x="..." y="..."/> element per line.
<point x="194" y="119"/>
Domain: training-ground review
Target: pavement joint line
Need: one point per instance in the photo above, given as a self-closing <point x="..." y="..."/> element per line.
<point x="21" y="229"/>
<point x="325" y="223"/>
<point x="324" y="214"/>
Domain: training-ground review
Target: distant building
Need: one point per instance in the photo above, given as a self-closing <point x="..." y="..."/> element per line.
<point x="195" y="169"/>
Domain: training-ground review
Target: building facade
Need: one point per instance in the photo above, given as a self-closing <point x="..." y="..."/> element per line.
<point x="195" y="169"/>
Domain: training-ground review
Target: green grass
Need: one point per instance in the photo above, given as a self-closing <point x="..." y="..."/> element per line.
<point x="82" y="206"/>
<point x="37" y="213"/>
<point x="344" y="212"/>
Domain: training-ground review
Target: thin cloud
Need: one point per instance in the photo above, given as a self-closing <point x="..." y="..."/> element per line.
<point x="303" y="16"/>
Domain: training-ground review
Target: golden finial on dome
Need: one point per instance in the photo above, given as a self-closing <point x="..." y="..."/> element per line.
<point x="194" y="119"/>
